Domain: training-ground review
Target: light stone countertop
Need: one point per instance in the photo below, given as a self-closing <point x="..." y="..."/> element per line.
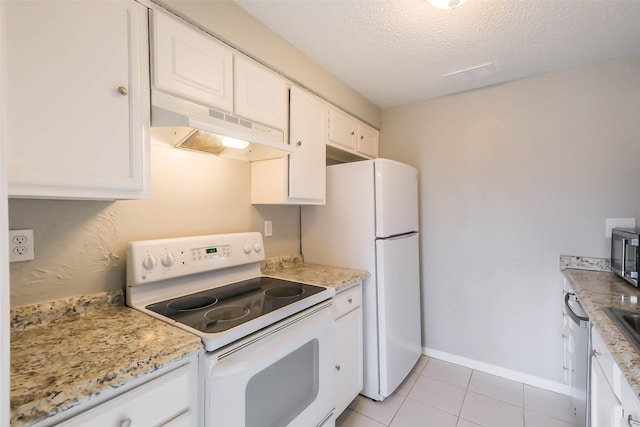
<point x="65" y="353"/>
<point x="294" y="269"/>
<point x="599" y="289"/>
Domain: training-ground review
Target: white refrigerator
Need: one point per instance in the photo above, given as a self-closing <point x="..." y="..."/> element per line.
<point x="370" y="222"/>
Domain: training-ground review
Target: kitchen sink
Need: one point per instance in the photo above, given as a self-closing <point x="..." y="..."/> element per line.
<point x="628" y="322"/>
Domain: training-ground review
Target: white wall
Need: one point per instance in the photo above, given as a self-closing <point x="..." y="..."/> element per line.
<point x="80" y="246"/>
<point x="513" y="176"/>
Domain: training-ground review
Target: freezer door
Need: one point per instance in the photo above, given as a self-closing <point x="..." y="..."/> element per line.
<point x="396" y="187"/>
<point x="399" y="322"/>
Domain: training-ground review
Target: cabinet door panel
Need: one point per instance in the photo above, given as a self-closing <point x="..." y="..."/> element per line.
<point x="606" y="409"/>
<point x="77" y="104"/>
<point x="260" y="94"/>
<point x="367" y="140"/>
<point x="307" y="163"/>
<point x="342" y="129"/>
<point x="349" y="378"/>
<point x="190" y="63"/>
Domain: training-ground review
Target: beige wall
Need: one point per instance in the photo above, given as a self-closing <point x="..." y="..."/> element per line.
<point x="513" y="176"/>
<point x="80" y="246"/>
<point x="232" y="24"/>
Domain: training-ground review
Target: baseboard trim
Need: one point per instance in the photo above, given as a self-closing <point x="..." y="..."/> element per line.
<point x="499" y="371"/>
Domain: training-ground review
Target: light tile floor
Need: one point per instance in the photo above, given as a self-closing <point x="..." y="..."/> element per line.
<point x="442" y="394"/>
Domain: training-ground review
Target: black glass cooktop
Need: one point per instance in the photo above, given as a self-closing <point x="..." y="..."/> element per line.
<point x="222" y="308"/>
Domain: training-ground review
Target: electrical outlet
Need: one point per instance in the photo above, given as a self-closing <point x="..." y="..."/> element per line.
<point x="20" y="245"/>
<point x="268" y="229"/>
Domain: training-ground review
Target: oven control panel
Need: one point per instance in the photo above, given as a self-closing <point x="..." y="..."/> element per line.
<point x="156" y="260"/>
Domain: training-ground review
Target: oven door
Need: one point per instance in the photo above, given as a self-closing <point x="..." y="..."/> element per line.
<point x="282" y="375"/>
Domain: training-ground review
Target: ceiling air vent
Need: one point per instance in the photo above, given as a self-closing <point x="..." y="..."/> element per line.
<point x="473" y="73"/>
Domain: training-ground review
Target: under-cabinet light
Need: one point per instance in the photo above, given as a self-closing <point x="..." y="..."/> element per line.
<point x="234" y="143"/>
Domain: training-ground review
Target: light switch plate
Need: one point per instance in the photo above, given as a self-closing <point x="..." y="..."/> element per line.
<point x="268" y="229"/>
<point x="20" y="245"/>
<point x="611" y="223"/>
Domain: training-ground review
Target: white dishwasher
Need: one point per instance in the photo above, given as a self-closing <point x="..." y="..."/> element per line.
<point x="576" y="357"/>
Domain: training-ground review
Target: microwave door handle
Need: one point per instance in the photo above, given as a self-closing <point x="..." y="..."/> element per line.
<point x="623" y="267"/>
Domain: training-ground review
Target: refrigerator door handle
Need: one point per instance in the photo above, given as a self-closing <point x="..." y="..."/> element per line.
<point x="398" y="236"/>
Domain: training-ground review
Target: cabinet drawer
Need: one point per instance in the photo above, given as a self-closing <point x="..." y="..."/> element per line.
<point x="164" y="401"/>
<point x="347" y="301"/>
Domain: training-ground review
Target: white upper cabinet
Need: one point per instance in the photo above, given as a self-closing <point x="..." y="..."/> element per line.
<point x="300" y="177"/>
<point x="308" y="133"/>
<point x="260" y="94"/>
<point x="342" y="129"/>
<point x="367" y="140"/>
<point x="351" y="135"/>
<point x="190" y="63"/>
<point x="76" y="99"/>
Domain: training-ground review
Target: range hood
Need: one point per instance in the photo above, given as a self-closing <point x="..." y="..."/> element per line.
<point x="172" y="111"/>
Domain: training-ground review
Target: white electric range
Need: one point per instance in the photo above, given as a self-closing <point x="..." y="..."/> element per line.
<point x="269" y="341"/>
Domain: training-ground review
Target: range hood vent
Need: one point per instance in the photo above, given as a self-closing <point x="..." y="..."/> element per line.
<point x="172" y="111"/>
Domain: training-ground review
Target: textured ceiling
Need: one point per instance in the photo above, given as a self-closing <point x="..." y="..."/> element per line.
<point x="396" y="52"/>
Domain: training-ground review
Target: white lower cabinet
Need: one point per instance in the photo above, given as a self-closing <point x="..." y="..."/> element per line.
<point x="170" y="399"/>
<point x="612" y="400"/>
<point x="349" y="346"/>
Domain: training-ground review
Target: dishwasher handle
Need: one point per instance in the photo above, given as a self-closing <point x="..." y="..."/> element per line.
<point x="579" y="320"/>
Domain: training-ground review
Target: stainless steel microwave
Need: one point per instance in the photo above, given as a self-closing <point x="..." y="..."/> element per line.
<point x="625" y="254"/>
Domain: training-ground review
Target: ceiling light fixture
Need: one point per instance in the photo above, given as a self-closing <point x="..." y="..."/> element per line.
<point x="446" y="4"/>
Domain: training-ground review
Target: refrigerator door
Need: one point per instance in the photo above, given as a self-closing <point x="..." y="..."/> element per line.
<point x="399" y="322"/>
<point x="396" y="198"/>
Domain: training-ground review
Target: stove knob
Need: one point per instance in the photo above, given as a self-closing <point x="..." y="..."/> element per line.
<point x="168" y="260"/>
<point x="149" y="262"/>
<point x="246" y="248"/>
<point x="257" y="247"/>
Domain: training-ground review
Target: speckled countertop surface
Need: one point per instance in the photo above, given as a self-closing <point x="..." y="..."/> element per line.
<point x="599" y="289"/>
<point x="65" y="353"/>
<point x="293" y="269"/>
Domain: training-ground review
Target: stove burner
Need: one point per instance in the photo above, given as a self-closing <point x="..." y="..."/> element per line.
<point x="284" y="291"/>
<point x="227" y="314"/>
<point x="192" y="302"/>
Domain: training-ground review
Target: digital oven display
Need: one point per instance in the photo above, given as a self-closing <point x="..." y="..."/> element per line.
<point x="211" y="250"/>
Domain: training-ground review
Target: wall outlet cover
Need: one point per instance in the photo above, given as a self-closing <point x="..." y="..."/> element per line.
<point x="21" y="245"/>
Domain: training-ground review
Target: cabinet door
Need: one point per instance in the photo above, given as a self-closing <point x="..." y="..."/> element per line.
<point x="307" y="162"/>
<point x="76" y="98"/>
<point x="606" y="409"/>
<point x="630" y="403"/>
<point x="260" y="94"/>
<point x="348" y="358"/>
<point x="367" y="140"/>
<point x="342" y="129"/>
<point x="190" y="63"/>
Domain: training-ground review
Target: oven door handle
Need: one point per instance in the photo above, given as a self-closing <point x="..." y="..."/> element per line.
<point x="308" y="326"/>
<point x="579" y="320"/>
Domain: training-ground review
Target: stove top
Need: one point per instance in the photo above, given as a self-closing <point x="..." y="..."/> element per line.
<point x="212" y="286"/>
<point x="220" y="309"/>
